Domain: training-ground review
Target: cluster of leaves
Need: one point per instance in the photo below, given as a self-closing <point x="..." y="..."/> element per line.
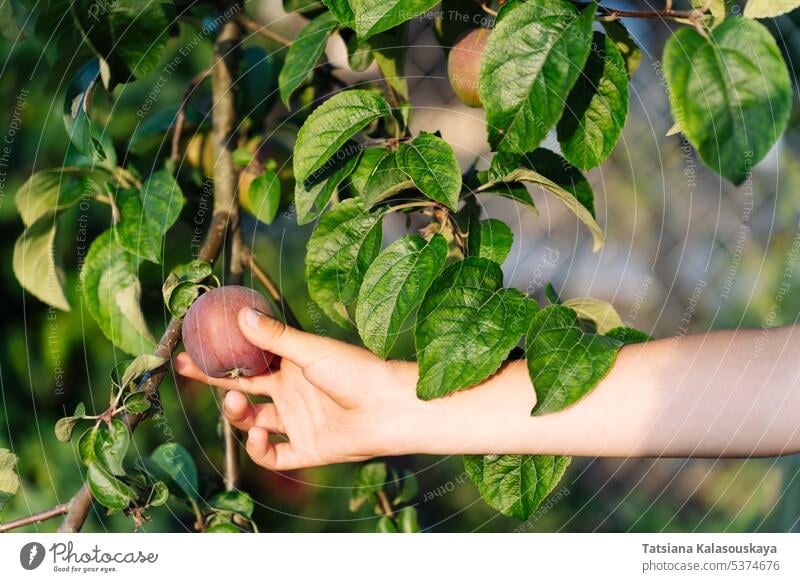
<point x="388" y="492"/>
<point x="545" y="68"/>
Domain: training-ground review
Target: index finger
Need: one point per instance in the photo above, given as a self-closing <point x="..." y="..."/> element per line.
<point x="263" y="385"/>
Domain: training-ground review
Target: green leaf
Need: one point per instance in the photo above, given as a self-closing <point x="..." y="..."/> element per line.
<point x="630" y="51"/>
<point x="628" y="335"/>
<point x="139" y="30"/>
<point x="567" y="197"/>
<point x="333" y="123"/>
<point x="406" y="487"/>
<point x="394" y="286"/>
<point x="602" y="313"/>
<point x="238" y="502"/>
<point x="9" y="28"/>
<point x="385" y="525"/>
<point x="490" y="239"/>
<point x="84" y="135"/>
<point x="311" y="197"/>
<point x="431" y="163"/>
<point x="368" y="481"/>
<point x="136" y="403"/>
<point x="109" y="491"/>
<point x="596" y="107"/>
<point x="64" y="427"/>
<point x="565" y="363"/>
<point x="515" y="485"/>
<point x="220" y="526"/>
<point x="86" y="445"/>
<point x="341" y="11"/>
<point x="466" y="326"/>
<point x="141" y="364"/>
<point x="147" y="215"/>
<point x="552" y="294"/>
<point x="52" y="190"/>
<point x="730" y="93"/>
<point x="304" y="53"/>
<point x="159" y="494"/>
<point x="374" y="16"/>
<point x="359" y="53"/>
<point x="110" y="446"/>
<point x="407" y="521"/>
<point x="9" y="481"/>
<point x="111" y="289"/>
<point x="34" y="263"/>
<point x="769" y="8"/>
<point x="176" y="462"/>
<point x="532" y="59"/>
<point x="181" y="287"/>
<point x="390" y="49"/>
<point x="377" y="176"/>
<point x="346" y="241"/>
<point x="265" y="196"/>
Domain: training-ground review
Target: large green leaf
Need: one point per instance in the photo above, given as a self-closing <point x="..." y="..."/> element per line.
<point x="583" y="213"/>
<point x="431" y="163"/>
<point x="311" y="197"/>
<point x="346" y="241"/>
<point x="394" y="286"/>
<point x="147" y="215"/>
<point x="769" y="8"/>
<point x="377" y="176"/>
<point x="109" y="491"/>
<point x="515" y="485"/>
<point x="174" y="461"/>
<point x="111" y="289"/>
<point x="466" y="326"/>
<point x="333" y="123"/>
<point x="140" y="31"/>
<point x="490" y="239"/>
<point x="374" y="16"/>
<point x="51" y="190"/>
<point x="34" y="263"/>
<point x="304" y="53"/>
<point x="532" y="59"/>
<point x="9" y="481"/>
<point x="596" y="107"/>
<point x="564" y="362"/>
<point x="730" y="93"/>
<point x="110" y="446"/>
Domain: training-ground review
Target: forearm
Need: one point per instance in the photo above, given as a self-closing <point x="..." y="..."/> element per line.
<point x="718" y="394"/>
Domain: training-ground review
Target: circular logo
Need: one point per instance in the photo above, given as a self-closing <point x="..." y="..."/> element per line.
<point x="31" y="555"/>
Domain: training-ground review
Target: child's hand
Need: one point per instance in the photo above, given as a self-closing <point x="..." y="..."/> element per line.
<point x="334" y="401"/>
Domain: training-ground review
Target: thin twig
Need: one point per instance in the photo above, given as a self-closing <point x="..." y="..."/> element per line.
<point x="667" y="13"/>
<point x="180" y="118"/>
<point x="223" y="83"/>
<point x="271" y="288"/>
<point x="386" y="507"/>
<point x="258" y="28"/>
<point x="35" y="518"/>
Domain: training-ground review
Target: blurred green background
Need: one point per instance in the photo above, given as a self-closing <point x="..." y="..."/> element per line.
<point x="685" y="251"/>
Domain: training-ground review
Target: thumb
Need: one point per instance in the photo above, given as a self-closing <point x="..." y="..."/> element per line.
<point x="287" y="342"/>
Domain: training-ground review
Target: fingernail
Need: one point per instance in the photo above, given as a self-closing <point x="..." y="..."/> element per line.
<point x="251" y="436"/>
<point x="251" y="317"/>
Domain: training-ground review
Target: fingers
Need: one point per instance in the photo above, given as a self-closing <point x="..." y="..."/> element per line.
<point x="244" y="415"/>
<point x="263" y="385"/>
<point x="274" y="456"/>
<point x="275" y="336"/>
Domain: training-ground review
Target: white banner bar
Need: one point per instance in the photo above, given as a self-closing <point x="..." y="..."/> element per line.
<point x="387" y="557"/>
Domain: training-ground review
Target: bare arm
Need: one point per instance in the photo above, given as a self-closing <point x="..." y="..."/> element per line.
<point x="717" y="394"/>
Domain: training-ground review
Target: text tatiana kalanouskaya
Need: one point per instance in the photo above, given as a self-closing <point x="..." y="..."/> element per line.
<point x="749" y="548"/>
